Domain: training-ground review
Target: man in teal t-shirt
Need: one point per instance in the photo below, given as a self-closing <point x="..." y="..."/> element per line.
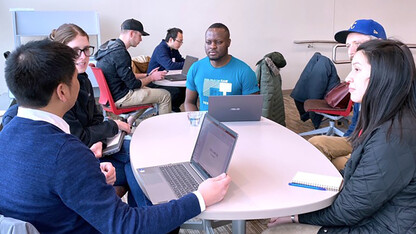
<point x="219" y="73"/>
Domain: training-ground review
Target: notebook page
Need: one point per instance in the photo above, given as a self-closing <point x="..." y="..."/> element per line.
<point x="331" y="183"/>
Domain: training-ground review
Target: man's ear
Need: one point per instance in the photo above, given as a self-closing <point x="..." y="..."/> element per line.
<point x="62" y="92"/>
<point x="131" y="33"/>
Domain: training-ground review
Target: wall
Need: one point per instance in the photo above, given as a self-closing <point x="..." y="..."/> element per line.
<point x="257" y="26"/>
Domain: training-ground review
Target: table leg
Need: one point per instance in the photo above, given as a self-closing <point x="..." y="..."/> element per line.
<point x="239" y="226"/>
<point x="207" y="226"/>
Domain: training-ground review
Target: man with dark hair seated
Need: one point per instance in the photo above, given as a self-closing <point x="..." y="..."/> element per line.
<point x="52" y="179"/>
<point x="166" y="56"/>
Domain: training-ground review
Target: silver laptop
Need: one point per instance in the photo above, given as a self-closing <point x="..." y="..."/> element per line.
<point x="211" y="157"/>
<point x="189" y="60"/>
<point x="235" y="107"/>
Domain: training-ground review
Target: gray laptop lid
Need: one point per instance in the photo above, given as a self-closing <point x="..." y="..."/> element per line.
<point x="211" y="157"/>
<point x="236" y="107"/>
<point x="213" y="148"/>
<point x="189" y="60"/>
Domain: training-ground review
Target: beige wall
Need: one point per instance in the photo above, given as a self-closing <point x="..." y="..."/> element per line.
<point x="257" y="26"/>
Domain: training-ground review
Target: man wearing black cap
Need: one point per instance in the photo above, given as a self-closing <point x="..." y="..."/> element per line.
<point x="338" y="149"/>
<point x="127" y="88"/>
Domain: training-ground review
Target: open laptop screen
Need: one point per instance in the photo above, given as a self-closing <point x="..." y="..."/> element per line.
<point x="189" y="60"/>
<point x="214" y="147"/>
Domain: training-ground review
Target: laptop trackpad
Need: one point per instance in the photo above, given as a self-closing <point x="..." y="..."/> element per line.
<point x="157" y="187"/>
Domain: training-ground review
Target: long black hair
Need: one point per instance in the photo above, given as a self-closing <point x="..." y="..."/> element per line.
<point x="391" y="90"/>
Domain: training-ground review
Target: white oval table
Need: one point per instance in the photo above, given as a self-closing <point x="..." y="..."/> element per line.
<point x="266" y="157"/>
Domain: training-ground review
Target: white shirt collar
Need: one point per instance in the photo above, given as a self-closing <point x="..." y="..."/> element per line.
<point x="39" y="115"/>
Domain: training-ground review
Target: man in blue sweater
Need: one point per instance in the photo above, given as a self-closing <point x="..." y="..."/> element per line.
<point x="50" y="178"/>
<point x="166" y="56"/>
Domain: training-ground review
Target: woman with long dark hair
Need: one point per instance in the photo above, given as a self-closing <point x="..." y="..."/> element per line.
<point x="379" y="193"/>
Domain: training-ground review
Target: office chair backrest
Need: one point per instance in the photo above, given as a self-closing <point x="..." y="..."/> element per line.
<point x="106" y="99"/>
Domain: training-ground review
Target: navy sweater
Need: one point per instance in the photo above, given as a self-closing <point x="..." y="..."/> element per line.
<point x="162" y="58"/>
<point x="52" y="180"/>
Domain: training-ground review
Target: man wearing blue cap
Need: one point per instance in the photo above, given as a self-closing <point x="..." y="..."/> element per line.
<point x="338" y="149"/>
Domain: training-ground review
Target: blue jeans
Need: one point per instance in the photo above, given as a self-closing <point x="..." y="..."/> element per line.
<point x="125" y="176"/>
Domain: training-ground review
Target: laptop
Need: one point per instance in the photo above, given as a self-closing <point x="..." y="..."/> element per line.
<point x="114" y="143"/>
<point x="211" y="157"/>
<point x="189" y="60"/>
<point x="236" y="107"/>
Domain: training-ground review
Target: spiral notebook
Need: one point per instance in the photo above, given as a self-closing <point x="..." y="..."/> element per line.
<point x="316" y="181"/>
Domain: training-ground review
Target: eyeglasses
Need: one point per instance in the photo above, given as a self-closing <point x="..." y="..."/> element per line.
<point x="88" y="51"/>
<point x="181" y="42"/>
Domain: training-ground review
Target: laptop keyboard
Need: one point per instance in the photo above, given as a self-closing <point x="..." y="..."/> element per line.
<point x="179" y="179"/>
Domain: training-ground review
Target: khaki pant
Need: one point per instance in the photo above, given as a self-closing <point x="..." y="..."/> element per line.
<point x="293" y="228"/>
<point x="147" y="95"/>
<point x="336" y="149"/>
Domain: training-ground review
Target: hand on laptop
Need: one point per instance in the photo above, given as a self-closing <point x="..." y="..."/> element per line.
<point x="213" y="190"/>
<point x="123" y="126"/>
<point x="97" y="149"/>
<point x="109" y="171"/>
<point x="155" y="74"/>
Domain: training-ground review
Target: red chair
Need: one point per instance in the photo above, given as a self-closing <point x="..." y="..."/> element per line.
<point x="106" y="99"/>
<point x="321" y="107"/>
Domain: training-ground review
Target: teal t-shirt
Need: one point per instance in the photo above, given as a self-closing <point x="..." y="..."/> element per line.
<point x="235" y="78"/>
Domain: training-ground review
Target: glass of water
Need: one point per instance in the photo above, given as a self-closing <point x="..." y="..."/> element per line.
<point x="194" y="117"/>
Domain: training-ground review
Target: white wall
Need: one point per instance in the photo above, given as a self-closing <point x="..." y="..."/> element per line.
<point x="257" y="26"/>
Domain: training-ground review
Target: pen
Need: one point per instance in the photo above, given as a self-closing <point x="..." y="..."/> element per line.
<point x="307" y="186"/>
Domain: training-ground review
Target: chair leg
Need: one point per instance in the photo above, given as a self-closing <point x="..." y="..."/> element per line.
<point x="338" y="132"/>
<point x="329" y="131"/>
<point x="316" y="131"/>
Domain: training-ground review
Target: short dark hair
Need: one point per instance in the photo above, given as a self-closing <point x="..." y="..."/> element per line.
<point x="220" y="25"/>
<point x="391" y="90"/>
<point x="35" y="69"/>
<point x="173" y="33"/>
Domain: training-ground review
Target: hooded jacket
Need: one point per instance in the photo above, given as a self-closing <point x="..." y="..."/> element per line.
<point x="115" y="62"/>
<point x="317" y="79"/>
<point x="270" y="81"/>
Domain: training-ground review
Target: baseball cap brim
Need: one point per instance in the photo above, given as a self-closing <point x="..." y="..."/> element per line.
<point x="341" y="36"/>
